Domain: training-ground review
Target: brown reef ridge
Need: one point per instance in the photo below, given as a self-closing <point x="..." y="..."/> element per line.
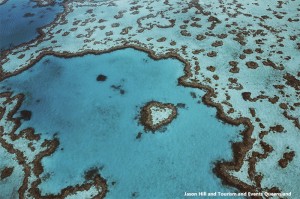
<point x="34" y="169"/>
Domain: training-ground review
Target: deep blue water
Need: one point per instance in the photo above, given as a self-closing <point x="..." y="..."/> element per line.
<point x="97" y="125"/>
<point x="15" y="28"/>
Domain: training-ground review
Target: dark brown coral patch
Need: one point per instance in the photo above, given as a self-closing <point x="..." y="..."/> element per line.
<point x="29" y="134"/>
<point x="235" y="68"/>
<point x="25" y="115"/>
<point x="200" y="37"/>
<point x="246" y="96"/>
<point x="277" y="128"/>
<point x="251" y="64"/>
<point x="286" y="159"/>
<point x="211" y="68"/>
<point x="212" y="54"/>
<point x="21" y="56"/>
<point x="217" y="43"/>
<point x="91" y="173"/>
<point x="248" y="51"/>
<point x="185" y="33"/>
<point x="283" y="106"/>
<point x="173" y="43"/>
<point x="268" y="62"/>
<point x="162" y="39"/>
<point x="101" y="78"/>
<point x="292" y="81"/>
<point x="6" y="172"/>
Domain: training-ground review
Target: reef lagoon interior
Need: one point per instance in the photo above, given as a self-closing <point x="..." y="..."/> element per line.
<point x="97" y="125"/>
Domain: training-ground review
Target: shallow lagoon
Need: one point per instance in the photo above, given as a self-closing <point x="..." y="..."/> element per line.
<point x="97" y="125"/>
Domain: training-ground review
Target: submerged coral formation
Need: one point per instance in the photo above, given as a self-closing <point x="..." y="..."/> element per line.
<point x="154" y="115"/>
<point x="28" y="148"/>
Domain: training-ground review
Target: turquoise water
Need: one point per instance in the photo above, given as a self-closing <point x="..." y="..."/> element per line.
<point x="97" y="125"/>
<point x="16" y="29"/>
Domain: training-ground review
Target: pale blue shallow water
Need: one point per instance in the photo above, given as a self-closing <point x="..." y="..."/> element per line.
<point x="16" y="29"/>
<point x="97" y="126"/>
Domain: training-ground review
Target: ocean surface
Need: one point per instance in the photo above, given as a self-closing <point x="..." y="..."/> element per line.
<point x="97" y="124"/>
<point x="20" y="19"/>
